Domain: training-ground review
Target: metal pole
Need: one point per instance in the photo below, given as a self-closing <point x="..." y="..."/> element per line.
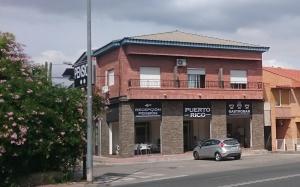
<point x="89" y="157"/>
<point x="50" y="72"/>
<point x="46" y="69"/>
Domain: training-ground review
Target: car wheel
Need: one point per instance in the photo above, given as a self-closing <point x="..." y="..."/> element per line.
<point x="237" y="157"/>
<point x="196" y="155"/>
<point x="218" y="157"/>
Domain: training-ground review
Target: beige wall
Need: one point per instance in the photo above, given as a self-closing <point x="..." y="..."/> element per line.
<point x="272" y="80"/>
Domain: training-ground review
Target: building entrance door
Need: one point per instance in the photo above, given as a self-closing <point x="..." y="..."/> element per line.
<point x="298" y="130"/>
<point x="186" y="135"/>
<point x="239" y="128"/>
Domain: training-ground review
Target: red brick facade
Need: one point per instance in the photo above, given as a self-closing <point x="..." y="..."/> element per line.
<point x="127" y="60"/>
<point x="172" y="131"/>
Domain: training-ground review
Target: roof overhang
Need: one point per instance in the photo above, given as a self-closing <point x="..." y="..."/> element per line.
<point x="128" y="41"/>
<point x="281" y="87"/>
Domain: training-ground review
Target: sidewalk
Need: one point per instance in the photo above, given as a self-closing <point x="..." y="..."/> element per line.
<point x="143" y="159"/>
<point x="151" y="158"/>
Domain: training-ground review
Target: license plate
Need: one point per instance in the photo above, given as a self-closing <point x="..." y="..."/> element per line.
<point x="234" y="148"/>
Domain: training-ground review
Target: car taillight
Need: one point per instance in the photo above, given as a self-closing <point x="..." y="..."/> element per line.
<point x="221" y="144"/>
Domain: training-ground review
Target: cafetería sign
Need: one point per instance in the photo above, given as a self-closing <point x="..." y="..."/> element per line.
<point x="239" y="108"/>
<point x="147" y="109"/>
<point x="197" y="110"/>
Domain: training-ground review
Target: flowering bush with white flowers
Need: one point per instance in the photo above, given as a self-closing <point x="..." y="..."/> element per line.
<point x="42" y="127"/>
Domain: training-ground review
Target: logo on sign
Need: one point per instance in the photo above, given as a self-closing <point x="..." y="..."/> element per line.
<point x="239" y="105"/>
<point x="231" y="106"/>
<point x="148" y="105"/>
<point x="247" y="106"/>
<point x="238" y="108"/>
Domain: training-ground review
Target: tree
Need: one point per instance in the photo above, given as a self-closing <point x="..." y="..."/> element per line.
<point x="42" y="127"/>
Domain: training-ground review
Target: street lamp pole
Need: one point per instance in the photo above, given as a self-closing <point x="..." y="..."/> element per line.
<point x="89" y="157"/>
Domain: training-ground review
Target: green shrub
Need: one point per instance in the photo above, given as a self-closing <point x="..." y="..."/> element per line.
<point x="42" y="127"/>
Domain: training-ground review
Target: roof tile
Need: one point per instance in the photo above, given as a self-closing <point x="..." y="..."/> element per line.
<point x="179" y="36"/>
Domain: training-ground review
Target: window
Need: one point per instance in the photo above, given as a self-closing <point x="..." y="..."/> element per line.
<point x="110" y="78"/>
<point x="231" y="142"/>
<point x="206" y="143"/>
<point x="142" y="132"/>
<point x="150" y="77"/>
<point x="238" y="79"/>
<point x="210" y="142"/>
<point x="282" y="97"/>
<point x="196" y="78"/>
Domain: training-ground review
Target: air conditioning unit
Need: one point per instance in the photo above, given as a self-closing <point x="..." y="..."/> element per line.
<point x="180" y="62"/>
<point x="105" y="89"/>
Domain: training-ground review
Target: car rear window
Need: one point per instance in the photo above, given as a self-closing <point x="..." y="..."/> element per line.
<point x="231" y="142"/>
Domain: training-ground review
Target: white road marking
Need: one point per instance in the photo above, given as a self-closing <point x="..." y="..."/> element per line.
<point x="261" y="180"/>
<point x="130" y="177"/>
<point x="164" y="178"/>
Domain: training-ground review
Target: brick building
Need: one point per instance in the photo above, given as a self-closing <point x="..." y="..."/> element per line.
<point x="170" y="90"/>
<point x="282" y="99"/>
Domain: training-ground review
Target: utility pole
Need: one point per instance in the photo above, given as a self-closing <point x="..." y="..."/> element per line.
<point x="46" y="70"/>
<point x="50" y="72"/>
<point x="89" y="157"/>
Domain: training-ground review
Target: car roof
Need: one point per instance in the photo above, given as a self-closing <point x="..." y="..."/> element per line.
<point x="220" y="139"/>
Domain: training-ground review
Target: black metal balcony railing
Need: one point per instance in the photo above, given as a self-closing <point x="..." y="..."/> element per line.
<point x="192" y="84"/>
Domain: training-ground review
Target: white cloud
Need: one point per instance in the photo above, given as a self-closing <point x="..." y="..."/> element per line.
<point x="44" y="25"/>
<point x="273" y="63"/>
<point x="52" y="56"/>
<point x="252" y="33"/>
<point x="57" y="58"/>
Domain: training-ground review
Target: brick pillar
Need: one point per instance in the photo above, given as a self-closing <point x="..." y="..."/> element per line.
<point x="126" y="129"/>
<point x="257" y="125"/>
<point x="218" y="120"/>
<point x="172" y="127"/>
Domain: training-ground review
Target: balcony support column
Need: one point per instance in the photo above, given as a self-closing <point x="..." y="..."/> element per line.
<point x="257" y="122"/>
<point x="172" y="127"/>
<point x="218" y="120"/>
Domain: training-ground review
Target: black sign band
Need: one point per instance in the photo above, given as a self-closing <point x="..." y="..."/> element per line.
<point x="147" y="109"/>
<point x="239" y="108"/>
<point x="197" y="110"/>
<point x="80" y="75"/>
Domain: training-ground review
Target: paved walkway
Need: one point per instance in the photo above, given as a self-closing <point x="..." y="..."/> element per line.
<point x="151" y="158"/>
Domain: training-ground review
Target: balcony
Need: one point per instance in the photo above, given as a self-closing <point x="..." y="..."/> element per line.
<point x="283" y="112"/>
<point x="184" y="89"/>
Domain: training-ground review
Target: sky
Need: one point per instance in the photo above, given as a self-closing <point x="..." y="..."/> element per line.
<point x="55" y="30"/>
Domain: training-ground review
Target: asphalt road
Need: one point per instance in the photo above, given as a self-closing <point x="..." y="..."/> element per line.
<point x="261" y="170"/>
<point x="273" y="176"/>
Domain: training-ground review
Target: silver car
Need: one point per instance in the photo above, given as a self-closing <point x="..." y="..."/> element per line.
<point x="218" y="149"/>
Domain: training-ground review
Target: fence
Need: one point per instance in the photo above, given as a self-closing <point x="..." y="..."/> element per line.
<point x="287" y="144"/>
<point x="193" y="84"/>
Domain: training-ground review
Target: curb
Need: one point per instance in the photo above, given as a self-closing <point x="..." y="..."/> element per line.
<point x="133" y="162"/>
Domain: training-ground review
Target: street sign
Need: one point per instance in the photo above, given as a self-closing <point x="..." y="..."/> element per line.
<point x="80" y="75"/>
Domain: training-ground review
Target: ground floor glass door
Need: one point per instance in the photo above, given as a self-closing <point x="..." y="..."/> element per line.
<point x="239" y="128"/>
<point x="194" y="132"/>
